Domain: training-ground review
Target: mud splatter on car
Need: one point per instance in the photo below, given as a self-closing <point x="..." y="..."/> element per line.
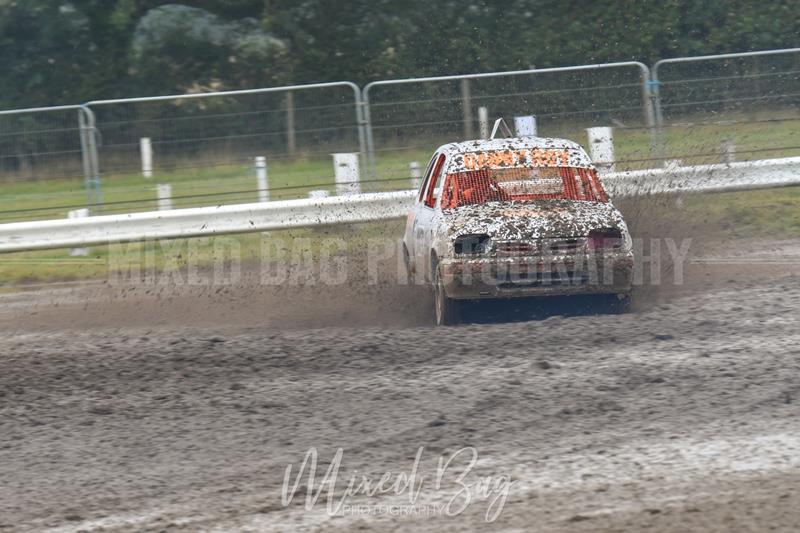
<point x="516" y="217"/>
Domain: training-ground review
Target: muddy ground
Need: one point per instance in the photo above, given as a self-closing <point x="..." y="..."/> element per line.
<point x="143" y="408"/>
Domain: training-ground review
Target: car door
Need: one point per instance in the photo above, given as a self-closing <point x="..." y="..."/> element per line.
<point x="423" y="225"/>
<point x="410" y="237"/>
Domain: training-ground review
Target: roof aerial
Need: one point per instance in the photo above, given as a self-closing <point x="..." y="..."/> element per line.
<point x="500" y="124"/>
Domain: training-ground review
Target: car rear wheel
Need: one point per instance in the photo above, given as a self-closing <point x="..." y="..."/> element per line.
<point x="619" y="303"/>
<point x="410" y="278"/>
<point x="446" y="309"/>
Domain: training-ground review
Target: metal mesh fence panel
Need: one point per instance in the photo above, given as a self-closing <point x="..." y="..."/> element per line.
<point x="219" y="129"/>
<point x="45" y="168"/>
<point x="205" y="145"/>
<point x="40" y="144"/>
<point x="409" y="118"/>
<point x="736" y="106"/>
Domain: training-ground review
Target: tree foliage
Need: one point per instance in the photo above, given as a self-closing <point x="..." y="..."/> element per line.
<point x="176" y="47"/>
<point x="66" y="51"/>
<point x="43" y="47"/>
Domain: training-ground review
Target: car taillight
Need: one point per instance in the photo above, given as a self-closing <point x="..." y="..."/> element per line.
<point x="472" y="244"/>
<point x="605" y="239"/>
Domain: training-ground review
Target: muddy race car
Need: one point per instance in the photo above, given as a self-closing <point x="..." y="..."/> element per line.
<point x="515" y="217"/>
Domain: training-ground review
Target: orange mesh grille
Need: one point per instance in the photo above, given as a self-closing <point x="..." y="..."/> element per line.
<point x="509" y="184"/>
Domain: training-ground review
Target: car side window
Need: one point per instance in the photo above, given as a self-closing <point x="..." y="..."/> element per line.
<point x="428" y="172"/>
<point x="434" y="182"/>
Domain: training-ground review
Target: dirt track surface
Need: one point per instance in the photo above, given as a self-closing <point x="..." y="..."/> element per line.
<point x="680" y="416"/>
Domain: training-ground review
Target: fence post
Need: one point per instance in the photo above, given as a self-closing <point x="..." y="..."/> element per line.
<point x="369" y="140"/>
<point x="164" y="193"/>
<point x="290" y="130"/>
<point x="728" y="149"/>
<point x="262" y="179"/>
<point x="347" y="174"/>
<point x="146" y="149"/>
<point x="483" y="121"/>
<point x="90" y="157"/>
<point x="601" y="147"/>
<point x="466" y="104"/>
<point x="78" y="213"/>
<point x="85" y="132"/>
<point x="415" y="173"/>
<point x="647" y="97"/>
<point x="657" y="143"/>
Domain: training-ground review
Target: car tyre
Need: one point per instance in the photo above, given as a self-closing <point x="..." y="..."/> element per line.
<point x="620" y="305"/>
<point x="410" y="277"/>
<point x="446" y="310"/>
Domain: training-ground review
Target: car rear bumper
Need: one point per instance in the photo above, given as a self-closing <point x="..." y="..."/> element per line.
<point x="508" y="277"/>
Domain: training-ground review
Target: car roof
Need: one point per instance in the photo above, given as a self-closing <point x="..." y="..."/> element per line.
<point x="572" y="153"/>
<point x="510" y="143"/>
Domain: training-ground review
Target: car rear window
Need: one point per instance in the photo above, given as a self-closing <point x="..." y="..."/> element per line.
<point x="521" y="184"/>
